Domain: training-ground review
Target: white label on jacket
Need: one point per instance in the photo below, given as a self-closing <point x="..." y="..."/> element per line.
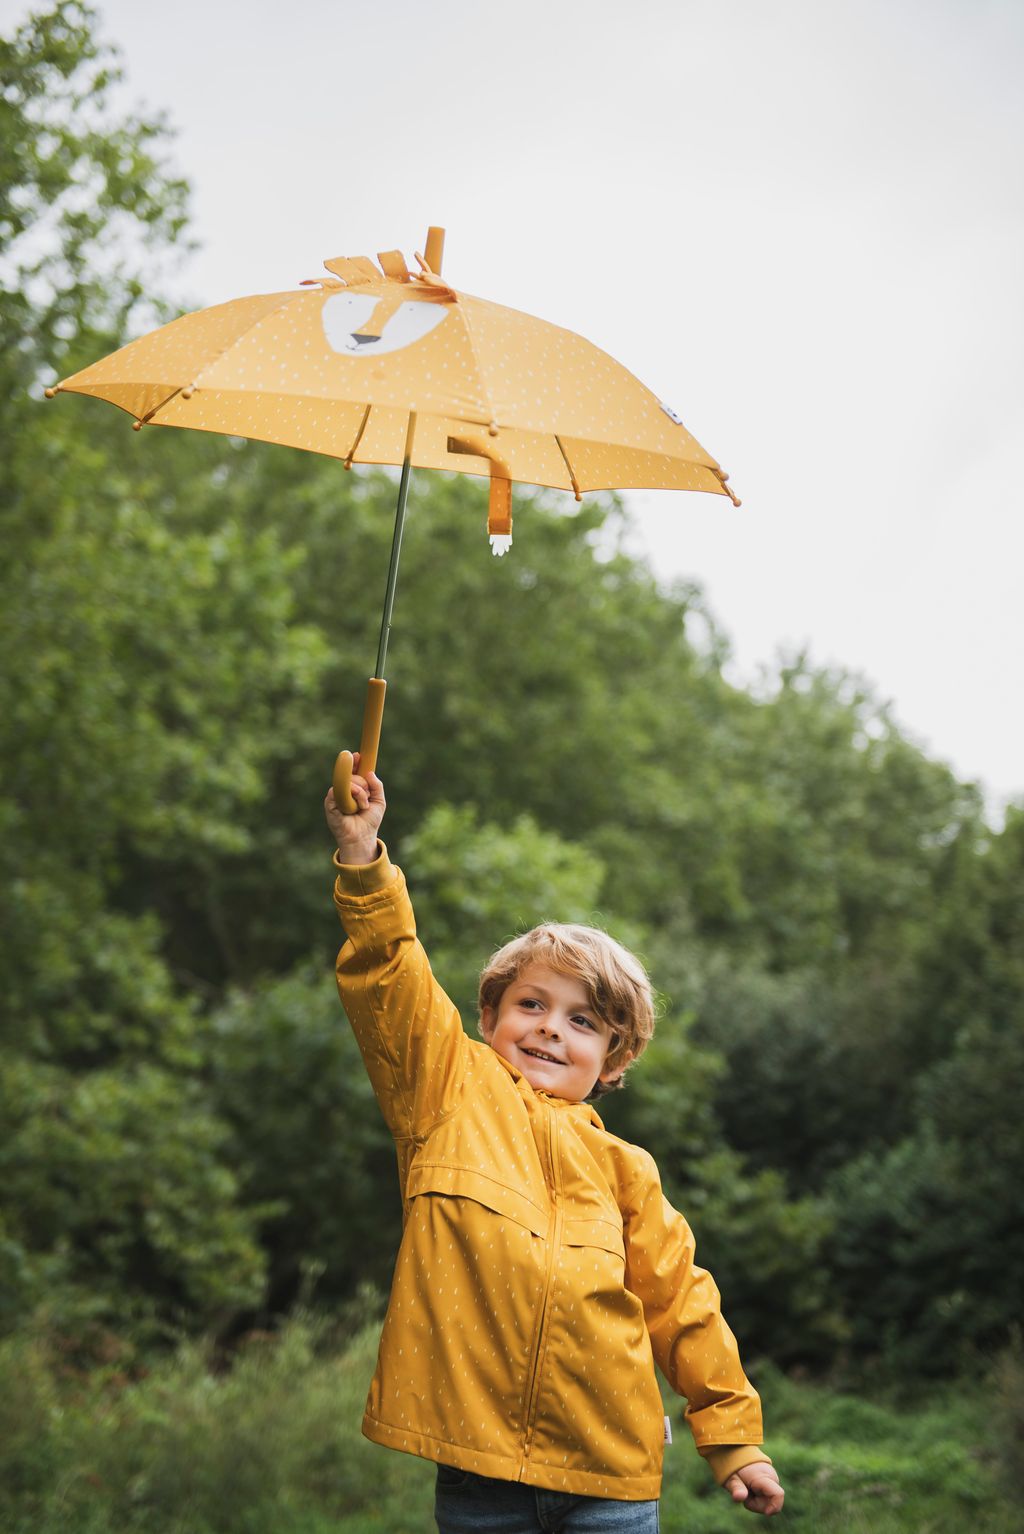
<point x="668" y="1429"/>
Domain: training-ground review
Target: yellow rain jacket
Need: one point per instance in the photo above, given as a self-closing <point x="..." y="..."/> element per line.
<point x="541" y="1272"/>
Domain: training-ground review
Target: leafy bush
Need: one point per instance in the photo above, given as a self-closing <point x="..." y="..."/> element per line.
<point x="873" y="1462"/>
<point x="120" y="1208"/>
<point x="308" y="1139"/>
<point x="929" y="1246"/>
<point x="271" y="1445"/>
<point x="1006" y="1383"/>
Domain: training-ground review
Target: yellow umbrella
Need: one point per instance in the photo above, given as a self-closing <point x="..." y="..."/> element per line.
<point x="383" y="365"/>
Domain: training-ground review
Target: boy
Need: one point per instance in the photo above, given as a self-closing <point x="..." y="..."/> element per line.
<point x="541" y="1272"/>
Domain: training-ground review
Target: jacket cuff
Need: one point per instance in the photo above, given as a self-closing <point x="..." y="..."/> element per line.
<point x="726" y="1458"/>
<point x="363" y="878"/>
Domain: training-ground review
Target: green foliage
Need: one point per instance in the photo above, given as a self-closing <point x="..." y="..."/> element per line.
<point x="117" y="1200"/>
<point x="812" y="1060"/>
<point x="974" y="950"/>
<point x="478" y="885"/>
<point x="873" y="1463"/>
<point x="186" y="622"/>
<point x="929" y="1246"/>
<point x="308" y="1137"/>
<point x="85" y="196"/>
<point x="841" y="820"/>
<point x="1006" y="1383"/>
<point x="273" y="1447"/>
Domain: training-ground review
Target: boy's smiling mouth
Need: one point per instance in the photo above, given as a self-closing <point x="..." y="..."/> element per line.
<point x="538" y="1054"/>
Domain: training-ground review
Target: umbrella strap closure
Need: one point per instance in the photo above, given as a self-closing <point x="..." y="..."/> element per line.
<point x="499" y="507"/>
<point x="499" y="515"/>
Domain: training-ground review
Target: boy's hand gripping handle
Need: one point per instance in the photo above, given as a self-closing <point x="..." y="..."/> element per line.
<point x="369" y="745"/>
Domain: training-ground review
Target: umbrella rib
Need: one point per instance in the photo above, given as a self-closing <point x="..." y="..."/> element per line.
<point x="359" y="437"/>
<point x="209" y="361"/>
<point x="568" y="465"/>
<point x="492" y="421"/>
<point x="721" y="476"/>
<point x="144" y="420"/>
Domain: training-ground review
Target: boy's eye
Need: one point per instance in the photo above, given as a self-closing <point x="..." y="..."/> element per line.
<point x="585" y="1021"/>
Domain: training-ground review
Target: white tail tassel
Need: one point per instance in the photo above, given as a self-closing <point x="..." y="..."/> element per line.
<point x="500" y="544"/>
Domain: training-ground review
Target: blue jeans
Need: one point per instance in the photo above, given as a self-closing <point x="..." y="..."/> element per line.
<point x="474" y="1504"/>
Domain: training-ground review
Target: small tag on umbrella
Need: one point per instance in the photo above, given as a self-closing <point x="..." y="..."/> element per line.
<point x="668" y="1429"/>
<point x="671" y="413"/>
<point x="499" y="516"/>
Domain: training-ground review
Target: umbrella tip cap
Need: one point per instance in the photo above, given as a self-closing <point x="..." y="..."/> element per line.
<point x="52" y="393"/>
<point x="136" y="426"/>
<point x="434" y="249"/>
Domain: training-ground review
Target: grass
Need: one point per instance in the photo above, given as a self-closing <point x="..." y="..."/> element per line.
<point x="273" y="1447"/>
<point x="916" y="1462"/>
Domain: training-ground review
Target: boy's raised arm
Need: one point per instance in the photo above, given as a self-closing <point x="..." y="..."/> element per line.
<point x="409" y="1033"/>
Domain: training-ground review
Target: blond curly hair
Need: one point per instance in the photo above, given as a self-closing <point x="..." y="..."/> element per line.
<point x="617" y="985"/>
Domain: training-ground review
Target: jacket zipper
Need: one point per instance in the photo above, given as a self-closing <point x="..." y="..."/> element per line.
<point x="554" y="1243"/>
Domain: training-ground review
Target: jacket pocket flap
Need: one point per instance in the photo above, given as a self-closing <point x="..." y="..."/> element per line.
<point x="465" y="1182"/>
<point x="600" y="1233"/>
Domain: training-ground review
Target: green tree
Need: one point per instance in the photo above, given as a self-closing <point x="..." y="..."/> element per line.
<point x="930" y="1249"/>
<point x="187" y="622"/>
<point x="119" y="1208"/>
<point x="308" y="1140"/>
<point x="86" y="199"/>
<point x="117" y="1199"/>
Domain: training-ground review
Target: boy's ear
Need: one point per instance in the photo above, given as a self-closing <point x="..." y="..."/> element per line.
<point x="615" y="1071"/>
<point x="487" y="1019"/>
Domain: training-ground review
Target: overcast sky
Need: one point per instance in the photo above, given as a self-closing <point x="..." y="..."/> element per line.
<point x="800" y="222"/>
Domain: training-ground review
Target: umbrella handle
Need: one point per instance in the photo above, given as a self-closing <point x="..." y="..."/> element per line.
<point x="373" y="713"/>
<point x="340" y="780"/>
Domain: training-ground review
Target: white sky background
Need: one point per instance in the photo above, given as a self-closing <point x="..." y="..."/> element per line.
<point x="800" y="222"/>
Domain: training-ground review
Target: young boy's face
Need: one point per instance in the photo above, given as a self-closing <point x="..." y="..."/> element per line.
<point x="545" y="1026"/>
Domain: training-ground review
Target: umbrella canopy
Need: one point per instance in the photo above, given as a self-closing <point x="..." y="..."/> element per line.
<point x="377" y="364"/>
<point x="337" y="368"/>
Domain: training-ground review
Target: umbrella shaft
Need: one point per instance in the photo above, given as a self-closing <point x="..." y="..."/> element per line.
<point x="396" y="549"/>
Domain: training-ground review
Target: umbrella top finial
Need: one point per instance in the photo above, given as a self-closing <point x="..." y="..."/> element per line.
<point x="434" y="251"/>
